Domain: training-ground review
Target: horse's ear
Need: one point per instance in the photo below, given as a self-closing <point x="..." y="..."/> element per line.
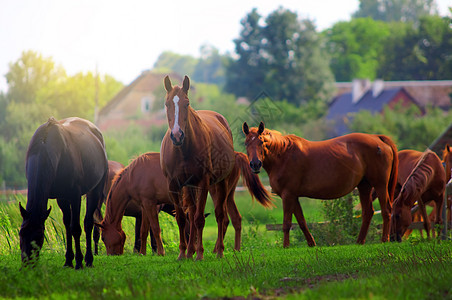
<point x="186" y="84"/>
<point x="261" y="128"/>
<point x="25" y="214"/>
<point x="245" y="128"/>
<point x="168" y="85"/>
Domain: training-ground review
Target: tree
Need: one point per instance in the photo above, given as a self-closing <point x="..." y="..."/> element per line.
<point x="210" y="67"/>
<point x="283" y="57"/>
<point x="170" y="61"/>
<point x="396" y="10"/>
<point x="355" y="48"/>
<point x="418" y="53"/>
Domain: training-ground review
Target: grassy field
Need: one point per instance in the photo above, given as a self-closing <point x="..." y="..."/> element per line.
<point x="414" y="269"/>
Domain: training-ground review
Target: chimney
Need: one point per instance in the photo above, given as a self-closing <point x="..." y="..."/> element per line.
<point x="378" y="87"/>
<point x="359" y="88"/>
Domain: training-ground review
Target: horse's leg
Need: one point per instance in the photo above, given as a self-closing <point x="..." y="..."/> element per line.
<point x="175" y="195"/>
<point x="423" y="210"/>
<point x="368" y="210"/>
<point x="288" y="204"/>
<point x="219" y="201"/>
<point x="200" y="222"/>
<point x="92" y="201"/>
<point x="96" y="232"/>
<point x="137" y="245"/>
<point x="144" y="230"/>
<point x="298" y="212"/>
<point x="236" y="219"/>
<point x="153" y="217"/>
<point x="76" y="230"/>
<point x="190" y="198"/>
<point x="66" y="209"/>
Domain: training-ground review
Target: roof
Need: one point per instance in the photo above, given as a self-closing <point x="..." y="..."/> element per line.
<point x="440" y="143"/>
<point x="426" y="92"/>
<point x="343" y="104"/>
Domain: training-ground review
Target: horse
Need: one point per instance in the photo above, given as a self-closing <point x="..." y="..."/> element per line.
<point x="65" y="160"/>
<point x="197" y="156"/>
<point x="114" y="168"/>
<point x="426" y="182"/>
<point x="141" y="187"/>
<point x="326" y="169"/>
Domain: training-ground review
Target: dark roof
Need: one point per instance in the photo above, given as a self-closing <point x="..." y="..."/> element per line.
<point x="440" y="143"/>
<point x="342" y="108"/>
<point x="343" y="105"/>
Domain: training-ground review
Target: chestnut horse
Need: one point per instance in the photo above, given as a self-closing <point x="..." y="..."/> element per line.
<point x="133" y="209"/>
<point x="65" y="160"/>
<point x="140" y="185"/>
<point x="426" y="182"/>
<point x="197" y="156"/>
<point x="325" y="170"/>
<point x="114" y="168"/>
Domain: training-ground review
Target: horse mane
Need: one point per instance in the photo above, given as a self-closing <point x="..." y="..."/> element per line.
<point x="419" y="176"/>
<point x="276" y="142"/>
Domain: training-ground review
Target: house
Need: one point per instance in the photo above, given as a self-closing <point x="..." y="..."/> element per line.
<point x="141" y="103"/>
<point x="440" y="143"/>
<point x="364" y="95"/>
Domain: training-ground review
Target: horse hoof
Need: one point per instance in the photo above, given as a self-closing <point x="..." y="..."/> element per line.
<point x="68" y="265"/>
<point x="199" y="257"/>
<point x="79" y="267"/>
<point x="220" y="255"/>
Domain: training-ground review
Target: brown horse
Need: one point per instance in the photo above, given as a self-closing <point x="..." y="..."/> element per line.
<point x="114" y="168"/>
<point x="65" y="160"/>
<point x="140" y="185"/>
<point x="197" y="156"/>
<point x="425" y="183"/>
<point x="325" y="170"/>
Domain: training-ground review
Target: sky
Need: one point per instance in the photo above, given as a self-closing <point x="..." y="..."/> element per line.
<point x="123" y="38"/>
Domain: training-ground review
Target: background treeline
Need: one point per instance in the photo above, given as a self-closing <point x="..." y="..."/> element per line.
<point x="281" y="63"/>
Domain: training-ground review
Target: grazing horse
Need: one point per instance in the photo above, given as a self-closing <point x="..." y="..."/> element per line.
<point x="133" y="209"/>
<point x="114" y="168"/>
<point x="142" y="186"/>
<point x="325" y="170"/>
<point x="65" y="160"/>
<point x="426" y="182"/>
<point x="197" y="156"/>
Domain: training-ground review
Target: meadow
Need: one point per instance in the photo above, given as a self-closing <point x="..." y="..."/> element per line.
<point x="413" y="269"/>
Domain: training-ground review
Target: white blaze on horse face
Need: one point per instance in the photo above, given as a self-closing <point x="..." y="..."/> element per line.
<point x="176" y="115"/>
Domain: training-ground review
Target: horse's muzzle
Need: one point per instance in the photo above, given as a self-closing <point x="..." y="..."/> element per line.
<point x="256" y="166"/>
<point x="177" y="138"/>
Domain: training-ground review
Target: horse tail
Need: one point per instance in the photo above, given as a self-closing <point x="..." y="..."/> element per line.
<point x="252" y="181"/>
<point x="394" y="170"/>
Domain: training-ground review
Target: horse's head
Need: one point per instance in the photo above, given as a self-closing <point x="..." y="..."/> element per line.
<point x="254" y="142"/>
<point x="31" y="234"/>
<point x="401" y="218"/>
<point x="177" y="106"/>
<point x="113" y="238"/>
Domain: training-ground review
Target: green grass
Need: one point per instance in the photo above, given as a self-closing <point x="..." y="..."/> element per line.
<point x="414" y="269"/>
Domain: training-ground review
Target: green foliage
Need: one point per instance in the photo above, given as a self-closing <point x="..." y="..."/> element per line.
<point x="404" y="125"/>
<point x="284" y="58"/>
<point x="418" y="53"/>
<point x="181" y="64"/>
<point x="396" y="10"/>
<point x="355" y="48"/>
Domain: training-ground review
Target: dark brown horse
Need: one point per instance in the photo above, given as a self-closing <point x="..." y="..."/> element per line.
<point x="325" y="170"/>
<point x="197" y="156"/>
<point x="65" y="160"/>
<point x="425" y="183"/>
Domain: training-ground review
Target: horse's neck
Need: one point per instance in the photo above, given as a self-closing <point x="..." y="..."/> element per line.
<point x="116" y="206"/>
<point x="276" y="151"/>
<point x="40" y="179"/>
<point x="194" y="130"/>
<point x="418" y="182"/>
